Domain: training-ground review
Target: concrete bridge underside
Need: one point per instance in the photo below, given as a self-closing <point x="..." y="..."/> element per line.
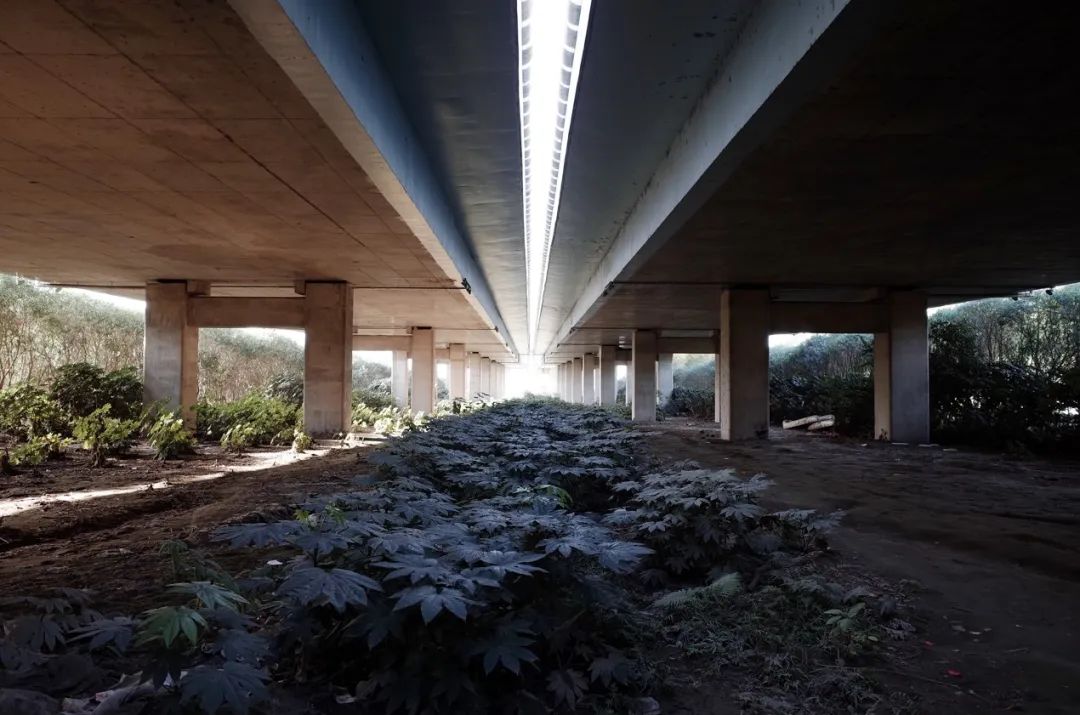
<point x="187" y="153"/>
<point x="353" y="168"/>
<point x="845" y="166"/>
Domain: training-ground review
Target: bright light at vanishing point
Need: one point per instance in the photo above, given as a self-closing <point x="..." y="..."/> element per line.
<point x="551" y="35"/>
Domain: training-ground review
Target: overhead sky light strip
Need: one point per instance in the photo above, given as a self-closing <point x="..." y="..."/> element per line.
<point x="551" y="37"/>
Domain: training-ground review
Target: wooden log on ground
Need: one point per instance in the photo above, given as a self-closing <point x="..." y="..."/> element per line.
<point x="805" y="421"/>
<point x="823" y="424"/>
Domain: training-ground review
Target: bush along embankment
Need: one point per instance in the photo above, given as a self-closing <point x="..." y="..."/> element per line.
<point x="529" y="557"/>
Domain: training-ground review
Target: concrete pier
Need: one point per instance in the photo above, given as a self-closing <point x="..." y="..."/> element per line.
<point x="742" y="370"/>
<point x="328" y="309"/>
<point x="643" y="369"/>
<point x="171" y="348"/>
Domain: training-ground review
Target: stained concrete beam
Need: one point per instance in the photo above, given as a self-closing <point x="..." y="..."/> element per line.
<point x="327" y="52"/>
<point x="208" y="312"/>
<point x="777" y="61"/>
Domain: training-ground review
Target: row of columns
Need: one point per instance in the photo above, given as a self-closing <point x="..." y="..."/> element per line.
<point x="901" y="370"/>
<point x="470" y="376"/>
<point x="171" y="356"/>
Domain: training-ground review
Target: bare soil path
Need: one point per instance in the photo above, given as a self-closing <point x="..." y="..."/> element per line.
<point x="992" y="544"/>
<point x="109" y="542"/>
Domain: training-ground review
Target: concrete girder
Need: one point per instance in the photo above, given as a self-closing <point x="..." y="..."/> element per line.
<point x="763" y="78"/>
<point x="326" y="51"/>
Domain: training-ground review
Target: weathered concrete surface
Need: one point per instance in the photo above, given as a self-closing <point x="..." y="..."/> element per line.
<point x="742" y="370"/>
<point x="588" y="379"/>
<point x="399" y="378"/>
<point x="577" y="368"/>
<point x="606" y="375"/>
<point x="327" y="358"/>
<point x="902" y="372"/>
<point x="665" y="376"/>
<point x="643" y="369"/>
<point x="422" y="394"/>
<point x="171" y="349"/>
<point x="457" y="371"/>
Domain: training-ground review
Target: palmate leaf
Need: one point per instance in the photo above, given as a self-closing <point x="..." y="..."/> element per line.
<point x="169" y="622"/>
<point x="210" y="595"/>
<point x="434" y="601"/>
<point x="500" y="563"/>
<point x="508" y="647"/>
<point x="315" y="586"/>
<point x="317" y="542"/>
<point x="116" y="632"/>
<point x="612" y="667"/>
<point x="236" y="685"/>
<point x="416" y="568"/>
<point x="742" y="511"/>
<point x="36" y="632"/>
<point x="259" y="535"/>
<point x="378" y="621"/>
<point x="567" y="685"/>
<point x="236" y="644"/>
<point x="621" y="556"/>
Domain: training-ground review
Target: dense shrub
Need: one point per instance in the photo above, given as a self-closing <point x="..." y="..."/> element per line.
<point x="267" y="420"/>
<point x="27" y="411"/>
<point x="287" y="387"/>
<point x="375" y="398"/>
<point x="81" y="388"/>
<point x="690" y="402"/>
<point x="102" y="434"/>
<point x="169" y="437"/>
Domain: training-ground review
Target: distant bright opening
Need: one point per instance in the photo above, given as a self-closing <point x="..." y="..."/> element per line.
<point x="551" y="36"/>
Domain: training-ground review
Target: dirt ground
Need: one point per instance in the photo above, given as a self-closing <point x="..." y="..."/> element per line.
<point x="109" y="543"/>
<point x="989" y="544"/>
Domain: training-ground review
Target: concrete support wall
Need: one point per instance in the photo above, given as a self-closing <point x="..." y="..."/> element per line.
<point x="588" y="379"/>
<point x="485" y="377"/>
<point x="576" y="369"/>
<point x="628" y="396"/>
<point x="171" y="350"/>
<point x="902" y="372"/>
<point x="423" y="370"/>
<point x="327" y="357"/>
<point x="665" y="376"/>
<point x="399" y="378"/>
<point x="457" y="371"/>
<point x="644" y="370"/>
<point x="742" y="370"/>
<point x="606" y="375"/>
<point x="474" y="375"/>
<point x="564" y="381"/>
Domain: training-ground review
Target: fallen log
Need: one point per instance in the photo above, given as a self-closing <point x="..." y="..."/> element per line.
<point x="823" y="424"/>
<point x="805" y="421"/>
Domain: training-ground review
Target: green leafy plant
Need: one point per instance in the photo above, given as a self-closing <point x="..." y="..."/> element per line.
<point x="27" y="411"/>
<point x="265" y="420"/>
<point x="80" y="388"/>
<point x="39" y="449"/>
<point x="102" y="435"/>
<point x="239" y="438"/>
<point x="169" y="437"/>
<point x="302" y="441"/>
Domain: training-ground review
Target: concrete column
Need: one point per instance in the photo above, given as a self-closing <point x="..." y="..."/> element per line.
<point x="399" y="378"/>
<point x="170" y="351"/>
<point x="474" y="375"/>
<point x="496" y="380"/>
<point x="423" y="370"/>
<point x="742" y="369"/>
<point x="457" y="371"/>
<point x="902" y="372"/>
<point x="644" y="371"/>
<point x="576" y="370"/>
<point x="608" y="388"/>
<point x="665" y="376"/>
<point x="628" y="398"/>
<point x="588" y="379"/>
<point x="560" y="371"/>
<point x="328" y="309"/>
<point x="485" y="377"/>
